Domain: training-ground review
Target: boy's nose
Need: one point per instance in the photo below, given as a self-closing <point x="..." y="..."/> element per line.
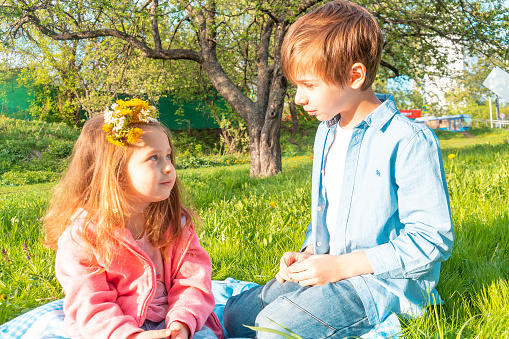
<point x="300" y="99"/>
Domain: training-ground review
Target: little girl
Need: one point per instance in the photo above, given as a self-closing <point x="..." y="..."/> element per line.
<point x="128" y="257"/>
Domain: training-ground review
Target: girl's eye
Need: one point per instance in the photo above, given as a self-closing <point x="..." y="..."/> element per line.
<point x="168" y="157"/>
<point x="154" y="157"/>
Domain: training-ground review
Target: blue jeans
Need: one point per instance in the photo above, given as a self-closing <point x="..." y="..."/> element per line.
<point x="330" y="311"/>
<point x="204" y="333"/>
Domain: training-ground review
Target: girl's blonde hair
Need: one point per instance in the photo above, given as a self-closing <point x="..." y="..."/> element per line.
<point x="95" y="181"/>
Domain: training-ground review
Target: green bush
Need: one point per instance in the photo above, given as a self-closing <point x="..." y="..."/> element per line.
<point x="59" y="149"/>
<point x="30" y="150"/>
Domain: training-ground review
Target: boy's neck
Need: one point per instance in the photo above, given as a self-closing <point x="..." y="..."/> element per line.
<point x="365" y="103"/>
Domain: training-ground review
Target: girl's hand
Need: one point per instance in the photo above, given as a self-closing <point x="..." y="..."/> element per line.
<point x="154" y="334"/>
<point x="179" y="330"/>
<point x="288" y="259"/>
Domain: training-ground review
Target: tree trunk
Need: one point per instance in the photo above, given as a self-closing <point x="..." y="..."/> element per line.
<point x="293" y="114"/>
<point x="263" y="117"/>
<point x="264" y="148"/>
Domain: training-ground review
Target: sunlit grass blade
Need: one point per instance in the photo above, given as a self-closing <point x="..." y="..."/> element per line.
<point x="291" y="335"/>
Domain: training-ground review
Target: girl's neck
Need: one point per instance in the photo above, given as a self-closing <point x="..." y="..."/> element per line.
<point x="135" y="223"/>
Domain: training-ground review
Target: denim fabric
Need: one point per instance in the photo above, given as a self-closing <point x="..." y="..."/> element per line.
<point x="204" y="333"/>
<point x="300" y="309"/>
<point x="394" y="205"/>
<point x="149" y="325"/>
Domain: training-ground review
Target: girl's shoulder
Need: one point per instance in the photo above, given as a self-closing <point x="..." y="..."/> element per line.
<point x="81" y="227"/>
<point x="187" y="227"/>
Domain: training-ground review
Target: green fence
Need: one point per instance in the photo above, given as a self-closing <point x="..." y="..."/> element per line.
<point x="15" y="102"/>
<point x="184" y="116"/>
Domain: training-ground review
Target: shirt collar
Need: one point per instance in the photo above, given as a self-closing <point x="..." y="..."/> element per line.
<point x="333" y="121"/>
<point x="378" y="118"/>
<point x="382" y="114"/>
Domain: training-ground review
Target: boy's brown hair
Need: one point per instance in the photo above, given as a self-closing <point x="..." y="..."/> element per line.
<point x="329" y="40"/>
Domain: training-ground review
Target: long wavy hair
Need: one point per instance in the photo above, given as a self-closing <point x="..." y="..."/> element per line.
<point x="95" y="182"/>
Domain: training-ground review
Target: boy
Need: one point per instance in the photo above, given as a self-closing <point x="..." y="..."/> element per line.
<point x="380" y="220"/>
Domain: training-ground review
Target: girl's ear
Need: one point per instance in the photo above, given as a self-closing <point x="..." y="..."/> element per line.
<point x="357" y="75"/>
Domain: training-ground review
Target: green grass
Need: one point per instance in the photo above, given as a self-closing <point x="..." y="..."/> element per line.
<point x="459" y="140"/>
<point x="248" y="223"/>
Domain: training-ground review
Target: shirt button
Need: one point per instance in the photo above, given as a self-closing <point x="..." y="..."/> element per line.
<point x="319" y="209"/>
<point x="319" y="243"/>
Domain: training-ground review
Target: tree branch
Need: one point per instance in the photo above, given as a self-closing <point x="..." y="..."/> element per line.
<point x="154" y="26"/>
<point x="220" y="80"/>
<point x="142" y="46"/>
<point x="391" y="67"/>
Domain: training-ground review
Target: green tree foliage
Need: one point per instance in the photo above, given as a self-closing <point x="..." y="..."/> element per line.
<point x="68" y="78"/>
<point x="236" y="45"/>
<point x="469" y="96"/>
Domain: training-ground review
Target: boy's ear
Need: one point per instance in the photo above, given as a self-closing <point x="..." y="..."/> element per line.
<point x="357" y="75"/>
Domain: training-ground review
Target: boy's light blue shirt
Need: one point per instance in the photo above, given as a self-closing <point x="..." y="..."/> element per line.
<point x="394" y="205"/>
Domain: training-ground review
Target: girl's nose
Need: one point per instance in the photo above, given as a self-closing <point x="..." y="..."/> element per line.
<point x="168" y="167"/>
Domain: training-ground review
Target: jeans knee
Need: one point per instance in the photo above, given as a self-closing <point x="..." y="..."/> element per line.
<point x="274" y="316"/>
<point x="235" y="316"/>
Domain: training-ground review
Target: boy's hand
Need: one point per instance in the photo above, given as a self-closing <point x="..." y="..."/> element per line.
<point x="179" y="330"/>
<point x="322" y="269"/>
<point x="154" y="334"/>
<point x="288" y="259"/>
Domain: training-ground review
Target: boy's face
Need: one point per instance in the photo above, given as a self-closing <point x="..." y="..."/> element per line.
<point x="322" y="100"/>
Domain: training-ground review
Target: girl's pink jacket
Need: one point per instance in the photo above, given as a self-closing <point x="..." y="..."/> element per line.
<point x="113" y="303"/>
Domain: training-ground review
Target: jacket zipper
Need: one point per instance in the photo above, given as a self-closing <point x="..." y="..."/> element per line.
<point x="152" y="288"/>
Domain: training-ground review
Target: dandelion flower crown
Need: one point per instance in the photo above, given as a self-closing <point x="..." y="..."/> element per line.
<point x="123" y="114"/>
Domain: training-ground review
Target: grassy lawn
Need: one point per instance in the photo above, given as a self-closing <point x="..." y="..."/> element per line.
<point x="248" y="223"/>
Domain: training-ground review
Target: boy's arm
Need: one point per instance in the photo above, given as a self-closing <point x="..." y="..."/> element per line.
<point x="427" y="237"/>
<point x="423" y="206"/>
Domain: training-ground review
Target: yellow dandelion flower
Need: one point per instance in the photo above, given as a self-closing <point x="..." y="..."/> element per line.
<point x="273" y="204"/>
<point x="115" y="141"/>
<point x="126" y="112"/>
<point x="451" y="156"/>
<point x="107" y="128"/>
<point x="134" y="134"/>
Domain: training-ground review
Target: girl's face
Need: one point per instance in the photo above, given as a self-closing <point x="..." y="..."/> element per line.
<point x="151" y="173"/>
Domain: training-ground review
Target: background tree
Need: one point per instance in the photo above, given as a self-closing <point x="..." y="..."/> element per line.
<point x="467" y="95"/>
<point x="68" y="77"/>
<point x="237" y="44"/>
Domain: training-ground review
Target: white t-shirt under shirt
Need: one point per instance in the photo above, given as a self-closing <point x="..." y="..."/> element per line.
<point x="333" y="178"/>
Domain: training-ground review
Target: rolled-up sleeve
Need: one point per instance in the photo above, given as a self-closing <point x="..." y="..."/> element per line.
<point x="424" y="210"/>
